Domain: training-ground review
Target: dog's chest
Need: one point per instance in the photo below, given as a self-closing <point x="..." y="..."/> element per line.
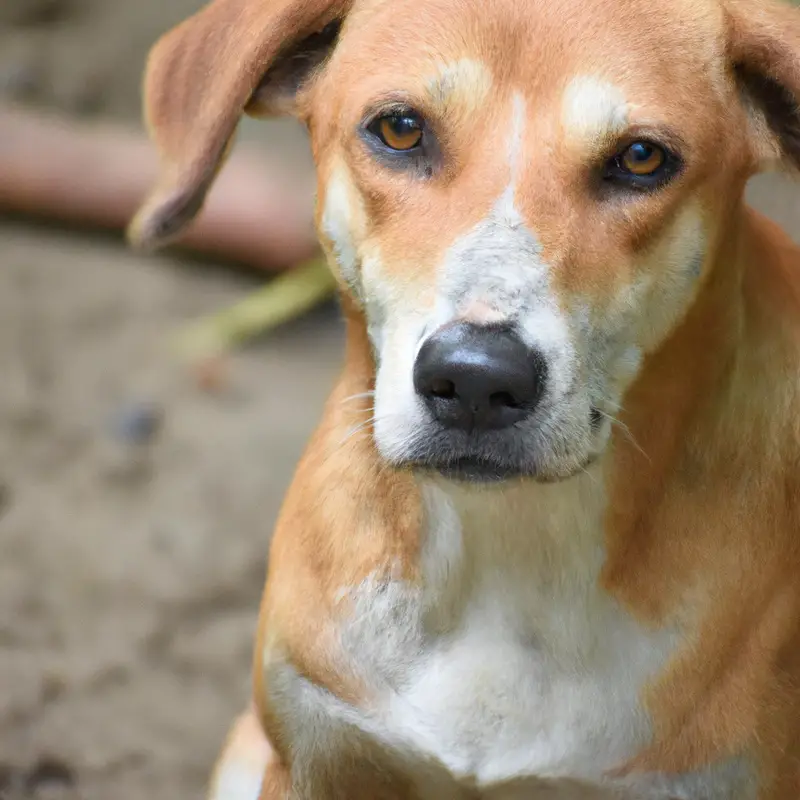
<point x="510" y="661"/>
<point x="501" y="697"/>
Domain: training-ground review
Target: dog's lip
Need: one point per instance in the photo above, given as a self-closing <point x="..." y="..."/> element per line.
<point x="469" y="469"/>
<point x="478" y="470"/>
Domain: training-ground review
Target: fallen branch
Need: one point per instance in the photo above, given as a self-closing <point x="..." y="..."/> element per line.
<point x="285" y="297"/>
<point x="259" y="213"/>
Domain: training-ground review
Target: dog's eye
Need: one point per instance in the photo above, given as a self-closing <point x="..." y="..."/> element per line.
<point x="642" y="165"/>
<point x="642" y="158"/>
<point x="400" y="131"/>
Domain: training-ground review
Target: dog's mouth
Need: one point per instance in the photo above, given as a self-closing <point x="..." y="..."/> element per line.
<point x="472" y="469"/>
<point x="477" y="470"/>
<point x="476" y="463"/>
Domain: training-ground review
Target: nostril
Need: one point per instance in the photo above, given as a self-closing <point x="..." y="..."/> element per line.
<point x="503" y="400"/>
<point x="442" y="388"/>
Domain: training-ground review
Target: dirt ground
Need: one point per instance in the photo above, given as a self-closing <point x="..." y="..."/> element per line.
<point x="130" y="573"/>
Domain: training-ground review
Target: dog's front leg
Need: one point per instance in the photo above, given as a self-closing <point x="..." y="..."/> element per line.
<point x="250" y="769"/>
<point x="334" y="756"/>
<point x="337" y="750"/>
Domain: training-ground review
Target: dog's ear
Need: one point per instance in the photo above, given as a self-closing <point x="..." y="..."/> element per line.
<point x="764" y="46"/>
<point x="232" y="57"/>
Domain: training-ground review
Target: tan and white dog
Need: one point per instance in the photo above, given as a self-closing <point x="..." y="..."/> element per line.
<point x="546" y="539"/>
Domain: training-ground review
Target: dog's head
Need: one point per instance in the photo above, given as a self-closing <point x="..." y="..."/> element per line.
<point x="523" y="197"/>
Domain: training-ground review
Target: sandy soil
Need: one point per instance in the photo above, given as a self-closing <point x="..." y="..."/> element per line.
<point x="130" y="571"/>
<point x="135" y="510"/>
<point x="131" y="565"/>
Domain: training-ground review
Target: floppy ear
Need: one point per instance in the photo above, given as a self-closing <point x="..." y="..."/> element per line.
<point x="232" y="57"/>
<point x="764" y="45"/>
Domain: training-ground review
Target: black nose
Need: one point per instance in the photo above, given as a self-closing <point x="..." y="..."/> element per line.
<point x="474" y="377"/>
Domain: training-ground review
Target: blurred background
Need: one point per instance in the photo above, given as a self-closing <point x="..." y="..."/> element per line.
<point x="136" y="501"/>
<point x="137" y="496"/>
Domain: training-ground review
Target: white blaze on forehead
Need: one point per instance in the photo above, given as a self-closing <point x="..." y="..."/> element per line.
<point x="495" y="272"/>
<point x="592" y="110"/>
<point x="493" y="269"/>
<point x="517" y="134"/>
<point x="505" y="209"/>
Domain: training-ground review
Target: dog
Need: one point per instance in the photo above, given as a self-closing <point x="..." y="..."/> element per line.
<point x="545" y="542"/>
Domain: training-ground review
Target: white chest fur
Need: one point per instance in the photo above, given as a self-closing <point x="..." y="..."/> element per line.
<point x="510" y="661"/>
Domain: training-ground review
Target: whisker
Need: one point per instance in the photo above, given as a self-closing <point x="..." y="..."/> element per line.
<point x="626" y="430"/>
<point x="354" y="412"/>
<point x="589" y="475"/>
<point x="357" y="429"/>
<point x="360" y="396"/>
<point x="373" y="418"/>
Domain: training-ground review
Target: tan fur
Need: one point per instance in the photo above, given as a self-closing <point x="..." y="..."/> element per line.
<point x="702" y="475"/>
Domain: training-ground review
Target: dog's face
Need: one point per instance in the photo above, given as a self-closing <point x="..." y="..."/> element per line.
<point x="522" y="197"/>
<point x="525" y="197"/>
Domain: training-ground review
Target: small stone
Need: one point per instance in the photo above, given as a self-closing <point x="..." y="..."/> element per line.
<point x="138" y="423"/>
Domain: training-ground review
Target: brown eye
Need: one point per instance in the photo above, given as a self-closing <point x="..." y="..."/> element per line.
<point x="399" y="131"/>
<point x="642" y="166"/>
<point x="642" y="159"/>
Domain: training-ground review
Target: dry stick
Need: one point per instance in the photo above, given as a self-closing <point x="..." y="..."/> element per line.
<point x="257" y="213"/>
